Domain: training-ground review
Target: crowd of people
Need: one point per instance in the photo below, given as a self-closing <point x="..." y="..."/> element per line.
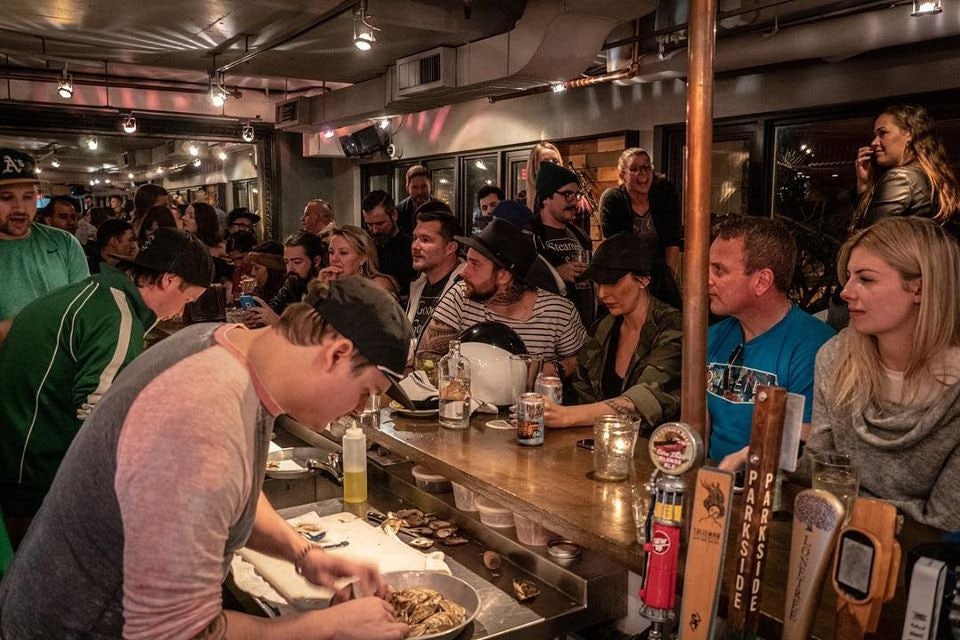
<point x="123" y="448"/>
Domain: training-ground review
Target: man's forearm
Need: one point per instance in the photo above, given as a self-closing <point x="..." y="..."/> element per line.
<point x="436" y="339"/>
<point x="273" y="536"/>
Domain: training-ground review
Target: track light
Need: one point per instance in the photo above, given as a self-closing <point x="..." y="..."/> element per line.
<point x="130" y="175"/>
<point x="106" y="180"/>
<point x="218" y="93"/>
<point x="559" y="86"/>
<point x="328" y="133"/>
<point x="363" y="31"/>
<point x="93" y="144"/>
<point x="926" y="7"/>
<point x="65" y="85"/>
<point x="194" y="150"/>
<point x="247" y="134"/>
<point x="222" y="155"/>
<point x="196" y="162"/>
<point x="37" y="170"/>
<point x="129" y="124"/>
<point x="384" y="123"/>
<point x="91" y="183"/>
<point x="55" y="162"/>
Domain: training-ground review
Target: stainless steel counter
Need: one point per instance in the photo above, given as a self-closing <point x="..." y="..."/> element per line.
<point x="587" y="592"/>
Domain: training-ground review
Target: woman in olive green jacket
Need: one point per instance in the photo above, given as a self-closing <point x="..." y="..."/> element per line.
<point x="631" y="366"/>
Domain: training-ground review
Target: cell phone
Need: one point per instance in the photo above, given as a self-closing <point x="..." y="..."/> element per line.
<point x="586" y="443"/>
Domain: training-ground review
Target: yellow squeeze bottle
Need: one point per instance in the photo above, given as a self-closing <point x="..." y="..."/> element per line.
<point x="354" y="466"/>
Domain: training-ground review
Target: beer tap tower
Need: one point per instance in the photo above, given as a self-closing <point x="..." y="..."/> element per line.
<point x="675" y="448"/>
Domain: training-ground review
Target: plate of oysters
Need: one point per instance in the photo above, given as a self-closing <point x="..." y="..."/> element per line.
<point x="437" y="606"/>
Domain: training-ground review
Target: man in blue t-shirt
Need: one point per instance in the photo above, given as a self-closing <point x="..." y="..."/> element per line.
<point x="765" y="339"/>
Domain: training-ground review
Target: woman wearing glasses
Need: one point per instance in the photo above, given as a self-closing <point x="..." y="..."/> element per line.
<point x="645" y="204"/>
<point x="887" y="388"/>
<point x="631" y="365"/>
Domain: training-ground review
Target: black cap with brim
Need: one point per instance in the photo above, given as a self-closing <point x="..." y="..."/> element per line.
<point x="506" y="245"/>
<point x="172" y="251"/>
<point x="604" y="275"/>
<point x="617" y="256"/>
<point x="17" y="167"/>
<point x="370" y="318"/>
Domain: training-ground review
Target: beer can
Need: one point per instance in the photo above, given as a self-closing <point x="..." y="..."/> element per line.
<point x="551" y="387"/>
<point x="246" y="301"/>
<point x="530" y="419"/>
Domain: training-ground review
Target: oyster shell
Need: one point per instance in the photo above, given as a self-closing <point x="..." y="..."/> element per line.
<point x="524" y="589"/>
<point x="491" y="560"/>
<point x="425" y="532"/>
<point x="406" y="513"/>
<point x="446" y="532"/>
<point x="426" y="611"/>
<point x="454" y="541"/>
<point x="421" y="543"/>
<point x="440" y="524"/>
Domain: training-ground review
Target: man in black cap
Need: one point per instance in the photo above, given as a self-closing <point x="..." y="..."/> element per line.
<point x="496" y="286"/>
<point x="565" y="246"/>
<point x="393" y="245"/>
<point x="242" y="219"/>
<point x="34" y="258"/>
<point x="66" y="348"/>
<point x="163" y="483"/>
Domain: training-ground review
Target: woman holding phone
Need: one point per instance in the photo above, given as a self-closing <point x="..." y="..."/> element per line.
<point x="904" y="172"/>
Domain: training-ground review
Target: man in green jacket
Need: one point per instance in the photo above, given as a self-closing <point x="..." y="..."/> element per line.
<point x="64" y="351"/>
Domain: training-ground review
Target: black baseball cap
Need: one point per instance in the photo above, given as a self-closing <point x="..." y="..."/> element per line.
<point x="17" y="167"/>
<point x="370" y="318"/>
<point x="242" y="212"/>
<point x="170" y="250"/>
<point x="506" y="245"/>
<point x="619" y="255"/>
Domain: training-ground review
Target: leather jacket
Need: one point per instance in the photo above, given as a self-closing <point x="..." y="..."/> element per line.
<point x="901" y="191"/>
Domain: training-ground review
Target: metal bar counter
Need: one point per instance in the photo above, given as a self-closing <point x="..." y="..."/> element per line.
<point x="588" y="591"/>
<point x="553" y="485"/>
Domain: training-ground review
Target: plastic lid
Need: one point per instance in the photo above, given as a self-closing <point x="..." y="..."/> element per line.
<point x="563" y="548"/>
<point x="426" y="475"/>
<point x="485" y="504"/>
<point x="353" y="433"/>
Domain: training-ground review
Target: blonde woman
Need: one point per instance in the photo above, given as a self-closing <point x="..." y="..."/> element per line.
<point x="352" y="252"/>
<point x="887" y="389"/>
<point x="645" y="204"/>
<point x="905" y="171"/>
<point x="541" y="152"/>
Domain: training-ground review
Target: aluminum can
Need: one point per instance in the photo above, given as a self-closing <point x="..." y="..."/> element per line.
<point x="530" y="419"/>
<point x="551" y="387"/>
<point x="246" y="301"/>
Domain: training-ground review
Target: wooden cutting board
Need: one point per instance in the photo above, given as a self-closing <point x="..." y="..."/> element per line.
<point x="368" y="544"/>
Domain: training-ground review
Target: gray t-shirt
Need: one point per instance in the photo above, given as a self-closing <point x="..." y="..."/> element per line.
<point x="157" y="491"/>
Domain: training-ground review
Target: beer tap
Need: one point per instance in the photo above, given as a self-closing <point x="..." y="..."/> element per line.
<point x="674" y="449"/>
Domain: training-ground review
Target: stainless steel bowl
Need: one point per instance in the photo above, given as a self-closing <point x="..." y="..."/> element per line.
<point x="451" y="587"/>
<point x="300" y="455"/>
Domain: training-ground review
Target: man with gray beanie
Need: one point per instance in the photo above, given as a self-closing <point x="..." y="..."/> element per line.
<point x="65" y="350"/>
<point x="564" y="245"/>
<point x="162" y="485"/>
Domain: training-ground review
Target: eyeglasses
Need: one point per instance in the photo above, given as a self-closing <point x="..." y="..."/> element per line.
<point x="735" y="360"/>
<point x="570" y="196"/>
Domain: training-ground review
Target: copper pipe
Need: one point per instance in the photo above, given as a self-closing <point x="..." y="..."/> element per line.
<point x="696" y="261"/>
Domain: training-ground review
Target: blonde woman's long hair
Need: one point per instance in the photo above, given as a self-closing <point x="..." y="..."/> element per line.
<point x="533" y="166"/>
<point x="919" y="250"/>
<point x="363" y="244"/>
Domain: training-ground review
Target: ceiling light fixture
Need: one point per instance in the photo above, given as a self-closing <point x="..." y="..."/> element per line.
<point x="247" y="132"/>
<point x="130" y="175"/>
<point x="384" y="123"/>
<point x="328" y="133"/>
<point x="159" y="171"/>
<point x="129" y="124"/>
<point x="55" y="162"/>
<point x="194" y="150"/>
<point x="65" y="84"/>
<point x="218" y="93"/>
<point x="107" y="180"/>
<point x="196" y="162"/>
<point x="363" y="31"/>
<point x="93" y="144"/>
<point x="91" y="183"/>
<point x="37" y="170"/>
<point x="926" y="7"/>
<point x="222" y="155"/>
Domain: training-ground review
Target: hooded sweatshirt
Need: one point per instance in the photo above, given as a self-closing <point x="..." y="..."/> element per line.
<point x="908" y="455"/>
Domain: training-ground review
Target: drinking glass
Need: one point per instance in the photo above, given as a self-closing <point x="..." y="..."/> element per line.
<point x="836" y="473"/>
<point x="371" y="412"/>
<point x="525" y="372"/>
<point x="642" y="502"/>
<point x="614" y="439"/>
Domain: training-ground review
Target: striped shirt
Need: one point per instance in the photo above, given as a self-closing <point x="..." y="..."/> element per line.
<point x="553" y="330"/>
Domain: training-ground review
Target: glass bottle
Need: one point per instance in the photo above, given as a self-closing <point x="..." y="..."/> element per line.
<point x="454" y="388"/>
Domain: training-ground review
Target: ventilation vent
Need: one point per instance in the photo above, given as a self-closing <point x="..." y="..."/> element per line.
<point x="293" y="114"/>
<point x="432" y="69"/>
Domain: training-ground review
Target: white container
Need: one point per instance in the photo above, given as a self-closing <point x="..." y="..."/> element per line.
<point x="493" y="515"/>
<point x="354" y="466"/>
<point x="429" y="481"/>
<point x="465" y="499"/>
<point x="531" y="533"/>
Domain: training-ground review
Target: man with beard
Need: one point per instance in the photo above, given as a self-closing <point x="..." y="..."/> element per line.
<point x="303" y="258"/>
<point x="436" y="257"/>
<point x="34" y="258"/>
<point x="565" y="246"/>
<point x="495" y="287"/>
<point x="418" y="188"/>
<point x="393" y="245"/>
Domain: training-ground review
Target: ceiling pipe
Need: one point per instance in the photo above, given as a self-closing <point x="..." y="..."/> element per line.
<point x="320" y="21"/>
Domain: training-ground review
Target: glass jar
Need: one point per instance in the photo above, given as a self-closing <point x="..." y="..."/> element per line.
<point x="454" y="388"/>
<point x="614" y="439"/>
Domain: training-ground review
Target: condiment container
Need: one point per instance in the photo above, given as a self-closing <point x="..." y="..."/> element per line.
<point x="531" y="533"/>
<point x="493" y="515"/>
<point x="354" y="466"/>
<point x="429" y="481"/>
<point x="465" y="499"/>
